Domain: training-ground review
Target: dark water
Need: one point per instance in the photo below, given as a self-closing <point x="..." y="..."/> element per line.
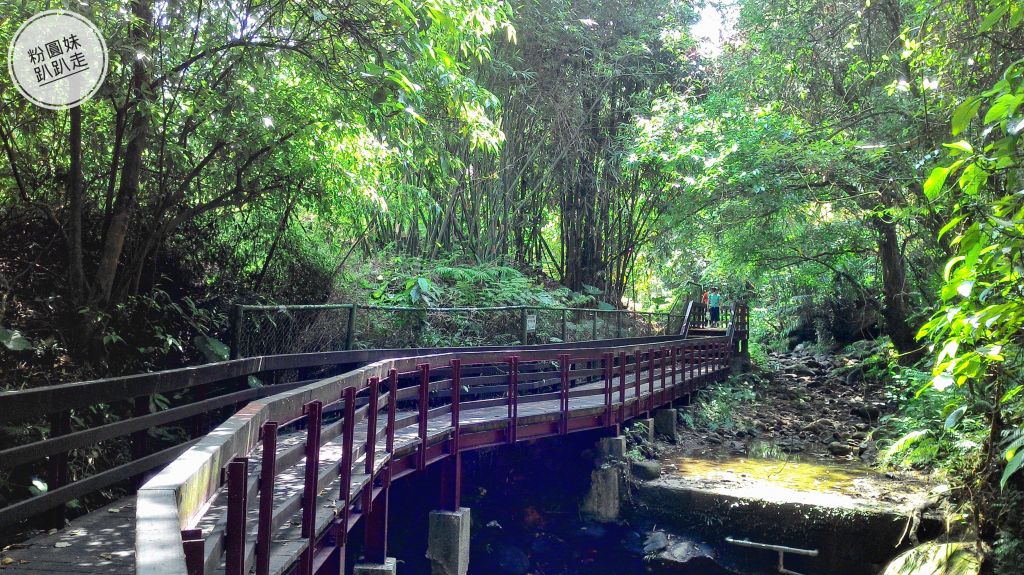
<point x="525" y="517"/>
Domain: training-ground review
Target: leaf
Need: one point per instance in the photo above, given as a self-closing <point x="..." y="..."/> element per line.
<point x="1001" y="108"/>
<point x="212" y="349"/>
<point x="964" y="113"/>
<point x="993" y="17"/>
<point x="937" y="179"/>
<point x="1011" y="468"/>
<point x="962" y="146"/>
<point x="955" y="417"/>
<point x="14" y="341"/>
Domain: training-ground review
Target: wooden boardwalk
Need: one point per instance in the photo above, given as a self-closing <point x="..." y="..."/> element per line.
<point x="103" y="541"/>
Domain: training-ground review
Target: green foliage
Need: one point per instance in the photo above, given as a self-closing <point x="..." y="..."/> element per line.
<point x="713" y="410"/>
<point x="977" y="330"/>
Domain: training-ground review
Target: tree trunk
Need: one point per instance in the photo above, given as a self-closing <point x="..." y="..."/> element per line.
<point x="131" y="169"/>
<point x="76" y="273"/>
<point x="895" y="311"/>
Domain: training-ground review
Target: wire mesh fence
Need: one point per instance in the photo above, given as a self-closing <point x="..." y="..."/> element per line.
<point x="267" y="330"/>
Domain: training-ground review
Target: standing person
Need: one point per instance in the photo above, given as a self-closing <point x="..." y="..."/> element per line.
<point x="714" y="304"/>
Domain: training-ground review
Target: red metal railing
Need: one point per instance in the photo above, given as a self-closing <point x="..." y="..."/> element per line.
<point x="430" y="410"/>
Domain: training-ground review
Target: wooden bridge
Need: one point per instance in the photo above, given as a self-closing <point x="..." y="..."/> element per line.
<point x="281" y="483"/>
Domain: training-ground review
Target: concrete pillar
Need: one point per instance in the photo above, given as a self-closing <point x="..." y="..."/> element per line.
<point x="448" y="542"/>
<point x="602" y="501"/>
<point x="389" y="567"/>
<point x="612" y="447"/>
<point x="665" y="423"/>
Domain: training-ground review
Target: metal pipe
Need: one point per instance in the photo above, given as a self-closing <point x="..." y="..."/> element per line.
<point x="780" y="549"/>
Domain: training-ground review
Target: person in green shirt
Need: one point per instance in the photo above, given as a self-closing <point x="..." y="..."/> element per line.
<point x="714" y="305"/>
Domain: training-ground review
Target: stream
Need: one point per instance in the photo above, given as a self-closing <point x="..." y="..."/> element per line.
<point x="793" y="468"/>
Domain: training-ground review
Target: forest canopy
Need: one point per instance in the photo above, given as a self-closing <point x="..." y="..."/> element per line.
<point x="851" y="167"/>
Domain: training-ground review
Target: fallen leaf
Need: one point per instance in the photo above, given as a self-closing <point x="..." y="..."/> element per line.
<point x="107" y="556"/>
<point x="61" y="544"/>
<point x="114" y="510"/>
<point x="6" y="561"/>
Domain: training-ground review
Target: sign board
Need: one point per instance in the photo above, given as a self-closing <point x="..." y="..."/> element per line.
<point x="531" y="323"/>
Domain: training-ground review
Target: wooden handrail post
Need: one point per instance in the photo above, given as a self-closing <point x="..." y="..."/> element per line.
<point x="371" y="442"/>
<point x="563" y="364"/>
<point x="675" y="366"/>
<point x="651" y="353"/>
<point x="451" y="472"/>
<point x="513" y="398"/>
<point x="234" y="530"/>
<point x="314" y="413"/>
<point x="664" y="367"/>
<point x="57" y="470"/>
<point x="193" y="546"/>
<point x="389" y="444"/>
<point x="622" y="386"/>
<point x="424" y="404"/>
<point x="140" y="439"/>
<point x="636" y="379"/>
<point x="268" y="472"/>
<point x="347" y="460"/>
<point x="608" y="388"/>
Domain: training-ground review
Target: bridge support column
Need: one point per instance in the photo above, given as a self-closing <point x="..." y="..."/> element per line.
<point x="612" y="447"/>
<point x="448" y="542"/>
<point x="602" y="501"/>
<point x="388" y="567"/>
<point x="665" y="423"/>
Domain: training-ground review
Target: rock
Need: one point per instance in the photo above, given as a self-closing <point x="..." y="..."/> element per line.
<point x="549" y="546"/>
<point x="512" y="560"/>
<point x="687" y="557"/>
<point x="801" y="370"/>
<point x="866" y="411"/>
<point x="859" y="436"/>
<point x="646" y="470"/>
<point x="861" y="426"/>
<point x="592" y="530"/>
<point x="820" y="425"/>
<point x="929" y="558"/>
<point x="655" y="542"/>
<point x="839" y="449"/>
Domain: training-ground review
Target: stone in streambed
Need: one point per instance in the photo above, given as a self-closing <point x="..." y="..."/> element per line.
<point x="655" y="542"/>
<point x="646" y="470"/>
<point x="687" y="557"/>
<point x="512" y="560"/>
<point x="839" y="449"/>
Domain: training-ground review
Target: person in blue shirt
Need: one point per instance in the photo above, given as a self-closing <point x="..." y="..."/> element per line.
<point x="714" y="305"/>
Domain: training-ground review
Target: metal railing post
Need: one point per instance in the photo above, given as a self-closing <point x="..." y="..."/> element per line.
<point x="268" y="471"/>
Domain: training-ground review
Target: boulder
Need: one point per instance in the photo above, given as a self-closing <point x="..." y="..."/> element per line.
<point x="655" y="541"/>
<point x="646" y="470"/>
<point x="687" y="557"/>
<point x="839" y="449"/>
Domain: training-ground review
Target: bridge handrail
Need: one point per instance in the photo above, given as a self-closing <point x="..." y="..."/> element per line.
<point x="174" y="499"/>
<point x="56" y="403"/>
